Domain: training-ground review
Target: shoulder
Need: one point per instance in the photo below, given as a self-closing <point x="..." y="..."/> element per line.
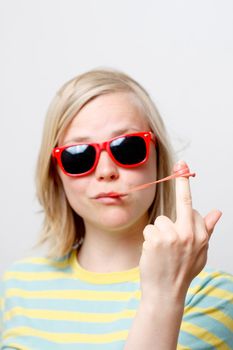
<point x="32" y="273"/>
<point x="34" y="267"/>
<point x="208" y="313"/>
<point x="213" y="283"/>
<point x="213" y="287"/>
<point x="37" y="263"/>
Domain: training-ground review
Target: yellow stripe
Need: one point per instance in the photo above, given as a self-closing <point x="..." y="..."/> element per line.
<point x="43" y="261"/>
<point x="106" y="338"/>
<point x="76" y="272"/>
<point x="181" y="347"/>
<point x="215" y="274"/>
<point x="96" y="278"/>
<point x="204" y="335"/>
<point x="69" y="315"/>
<point x="211" y="312"/>
<point x="36" y="276"/>
<point x="67" y="338"/>
<point x="107" y="317"/>
<point x="39" y="276"/>
<point x="213" y="292"/>
<point x="17" y="346"/>
<point x="73" y="294"/>
<point x="131" y="275"/>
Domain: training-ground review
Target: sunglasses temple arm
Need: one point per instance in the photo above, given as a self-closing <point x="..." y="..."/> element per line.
<point x="183" y="172"/>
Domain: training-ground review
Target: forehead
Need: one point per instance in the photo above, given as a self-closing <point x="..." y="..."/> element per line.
<point x="104" y="116"/>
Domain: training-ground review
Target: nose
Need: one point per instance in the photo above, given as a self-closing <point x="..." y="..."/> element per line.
<point x="106" y="169"/>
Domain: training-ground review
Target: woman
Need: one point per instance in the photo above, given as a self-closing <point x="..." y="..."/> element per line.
<point x="125" y="268"/>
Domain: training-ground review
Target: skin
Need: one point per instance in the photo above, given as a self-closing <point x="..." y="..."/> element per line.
<point x="110" y="228"/>
<point x="173" y="254"/>
<point x="169" y="254"/>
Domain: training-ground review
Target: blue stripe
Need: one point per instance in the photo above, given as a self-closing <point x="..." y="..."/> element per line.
<point x="36" y="343"/>
<point x="69" y="284"/>
<point x="210" y="324"/>
<point x="205" y="301"/>
<point x="26" y="267"/>
<point x="210" y="277"/>
<point x="72" y="305"/>
<point x="223" y="284"/>
<point x="69" y="326"/>
<point x="191" y="341"/>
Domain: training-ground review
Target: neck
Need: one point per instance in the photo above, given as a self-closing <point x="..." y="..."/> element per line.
<point x="110" y="251"/>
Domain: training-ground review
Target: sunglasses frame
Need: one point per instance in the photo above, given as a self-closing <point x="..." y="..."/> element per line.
<point x="105" y="146"/>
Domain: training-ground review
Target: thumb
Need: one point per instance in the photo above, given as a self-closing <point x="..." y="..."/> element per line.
<point x="211" y="220"/>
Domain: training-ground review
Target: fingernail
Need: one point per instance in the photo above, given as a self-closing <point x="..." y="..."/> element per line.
<point x="180" y="165"/>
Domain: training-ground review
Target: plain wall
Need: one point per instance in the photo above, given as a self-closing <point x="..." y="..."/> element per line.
<point x="180" y="51"/>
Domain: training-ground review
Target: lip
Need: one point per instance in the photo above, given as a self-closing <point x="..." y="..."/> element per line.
<point x="113" y="195"/>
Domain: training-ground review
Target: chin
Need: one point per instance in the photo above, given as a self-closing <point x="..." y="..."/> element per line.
<point x="120" y="222"/>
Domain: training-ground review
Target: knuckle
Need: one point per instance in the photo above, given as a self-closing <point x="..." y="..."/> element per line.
<point x="186" y="233"/>
<point x="204" y="239"/>
<point x="171" y="240"/>
<point x="163" y="223"/>
<point x="148" y="228"/>
<point x="187" y="240"/>
<point x="148" y="231"/>
<point x="151" y="243"/>
<point x="159" y="219"/>
<point x="187" y="199"/>
<point x="146" y="245"/>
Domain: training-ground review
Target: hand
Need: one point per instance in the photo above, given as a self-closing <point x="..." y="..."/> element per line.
<point x="175" y="252"/>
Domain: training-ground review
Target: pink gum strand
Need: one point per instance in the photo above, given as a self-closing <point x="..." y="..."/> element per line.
<point x="184" y="172"/>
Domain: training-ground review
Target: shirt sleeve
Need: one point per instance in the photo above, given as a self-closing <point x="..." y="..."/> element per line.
<point x="208" y="315"/>
<point x="1" y="311"/>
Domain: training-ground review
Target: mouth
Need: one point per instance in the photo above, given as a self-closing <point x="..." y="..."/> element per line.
<point x="115" y="195"/>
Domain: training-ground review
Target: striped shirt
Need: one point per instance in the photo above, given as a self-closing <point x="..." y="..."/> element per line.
<point x="51" y="304"/>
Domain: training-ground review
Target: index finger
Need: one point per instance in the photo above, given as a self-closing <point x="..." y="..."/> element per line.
<point x="184" y="207"/>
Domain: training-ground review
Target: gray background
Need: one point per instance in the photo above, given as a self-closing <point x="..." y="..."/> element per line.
<point x="181" y="51"/>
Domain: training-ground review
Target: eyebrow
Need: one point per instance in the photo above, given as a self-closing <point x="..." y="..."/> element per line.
<point x="113" y="134"/>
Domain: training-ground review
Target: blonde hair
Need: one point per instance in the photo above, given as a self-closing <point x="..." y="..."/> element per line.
<point x="62" y="227"/>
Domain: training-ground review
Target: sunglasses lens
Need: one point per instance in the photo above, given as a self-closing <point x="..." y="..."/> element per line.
<point x="129" y="150"/>
<point x="78" y="159"/>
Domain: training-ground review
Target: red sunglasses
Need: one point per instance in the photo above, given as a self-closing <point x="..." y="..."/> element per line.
<point x="128" y="151"/>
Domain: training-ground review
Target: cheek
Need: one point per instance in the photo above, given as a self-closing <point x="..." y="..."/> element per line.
<point x="149" y="169"/>
<point x="148" y="195"/>
<point x="145" y="174"/>
<point x="149" y="175"/>
<point x="73" y="188"/>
